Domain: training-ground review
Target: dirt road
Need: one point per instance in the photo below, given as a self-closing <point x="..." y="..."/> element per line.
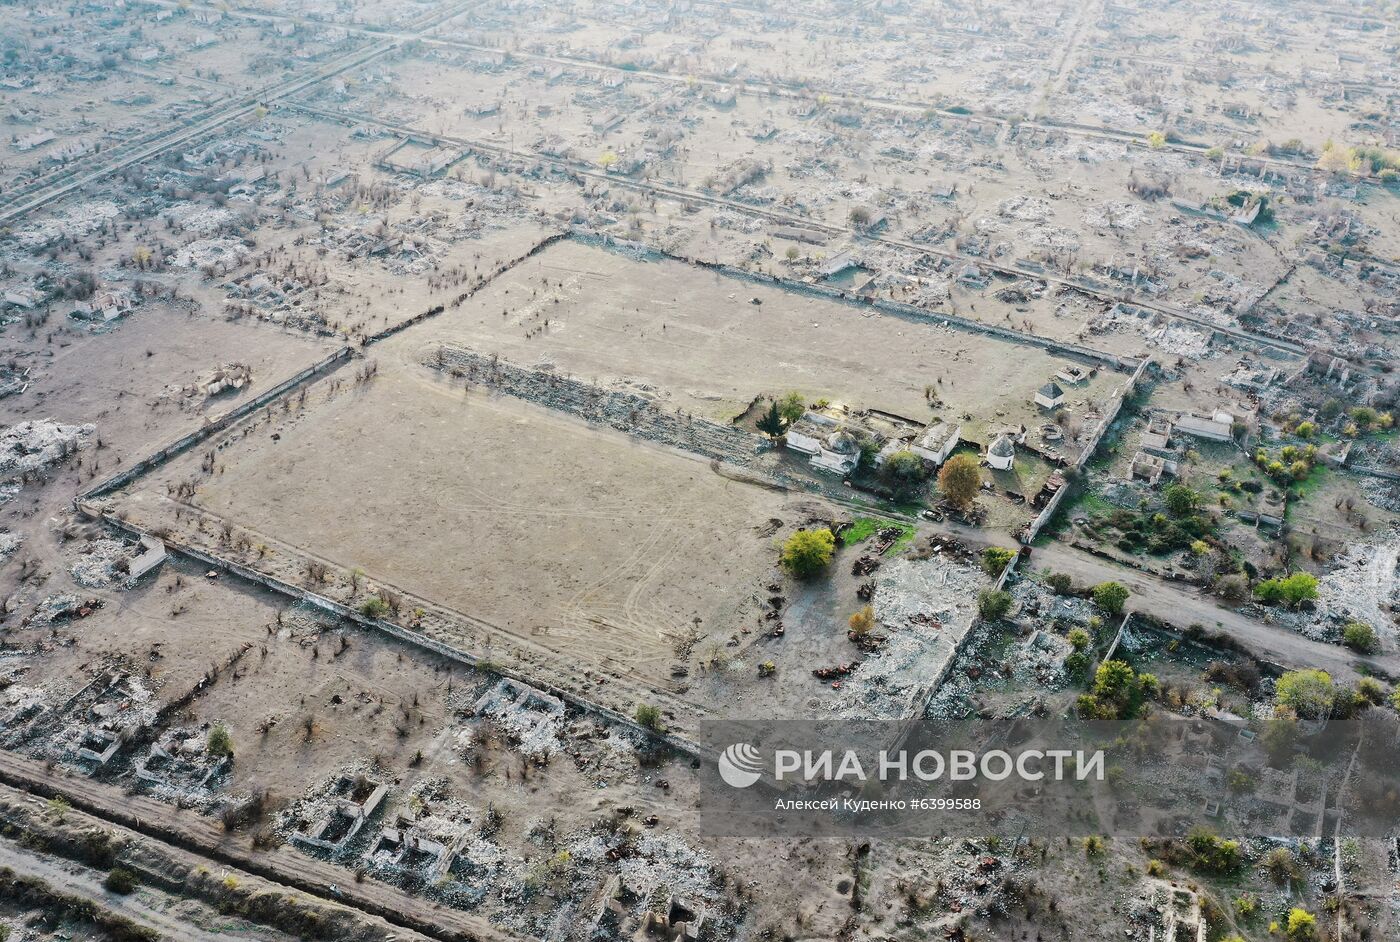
<point x="73" y="880"/>
<point x="1183" y="605"/>
<point x="190" y="833"/>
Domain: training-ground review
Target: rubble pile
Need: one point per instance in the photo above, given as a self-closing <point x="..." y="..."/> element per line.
<point x="1363" y="585"/>
<point x="30" y="446"/>
<point x="925" y="607"/>
<point x="532" y="719"/>
<point x="625" y="411"/>
<point x="100" y="563"/>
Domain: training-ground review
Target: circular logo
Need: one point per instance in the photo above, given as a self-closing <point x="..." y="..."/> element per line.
<point x="740" y="765"/>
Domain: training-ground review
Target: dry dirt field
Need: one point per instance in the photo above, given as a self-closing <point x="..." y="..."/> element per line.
<point x="695" y="339"/>
<point x="454" y="498"/>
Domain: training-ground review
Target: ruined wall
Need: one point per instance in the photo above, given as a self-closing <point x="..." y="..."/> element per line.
<point x="184" y="444"/>
<point x="1047" y="513"/>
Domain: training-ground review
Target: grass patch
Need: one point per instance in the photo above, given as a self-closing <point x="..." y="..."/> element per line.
<point x="863" y="528"/>
<point x="860" y="530"/>
<point x="904" y="541"/>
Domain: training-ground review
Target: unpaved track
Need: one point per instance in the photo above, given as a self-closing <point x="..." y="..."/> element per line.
<point x="192" y="833"/>
<point x="71" y="879"/>
<point x="1183" y="605"/>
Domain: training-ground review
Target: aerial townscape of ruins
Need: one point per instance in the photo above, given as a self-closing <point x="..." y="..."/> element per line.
<point x="423" y="423"/>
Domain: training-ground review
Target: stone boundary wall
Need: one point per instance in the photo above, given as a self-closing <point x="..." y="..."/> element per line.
<point x="402" y="635"/>
<point x="185" y="443"/>
<point x="480" y="283"/>
<point x="896" y="308"/>
<point x="627" y="412"/>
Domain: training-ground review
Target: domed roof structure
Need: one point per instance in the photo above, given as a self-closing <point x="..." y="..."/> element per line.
<point x="843" y="443"/>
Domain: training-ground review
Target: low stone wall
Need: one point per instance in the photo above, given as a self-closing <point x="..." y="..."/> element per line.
<point x="185" y="443"/>
<point x="885" y="305"/>
<point x="626" y="412"/>
<point x="477" y="285"/>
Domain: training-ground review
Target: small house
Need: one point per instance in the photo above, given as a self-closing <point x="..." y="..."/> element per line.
<point x="937" y="443"/>
<point x="1001" y="456"/>
<point x="1050" y="396"/>
<point x="1217" y="427"/>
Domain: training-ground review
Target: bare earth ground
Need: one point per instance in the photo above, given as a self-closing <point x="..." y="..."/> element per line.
<point x="698" y="339"/>
<point x="448" y="497"/>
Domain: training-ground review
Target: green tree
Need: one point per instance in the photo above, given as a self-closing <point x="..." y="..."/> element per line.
<point x="1110" y="597"/>
<point x="993" y="605"/>
<point x="807" y="552"/>
<point x="1308" y="693"/>
<point x="959" y="480"/>
<point x="1180" y="500"/>
<point x="995" y="558"/>
<point x="793" y="407"/>
<point x="772" y="424"/>
<point x="903" y="471"/>
<point x="219" y="743"/>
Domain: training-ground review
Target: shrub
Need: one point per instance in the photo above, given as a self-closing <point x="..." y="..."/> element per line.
<point x="1302" y="925"/>
<point x="649" y="716"/>
<point x="1233" y="587"/>
<point x="219" y="742"/>
<point x="1291" y="590"/>
<point x="1079" y="639"/>
<point x="1371" y="690"/>
<point x="1061" y="583"/>
<point x="1212" y="853"/>
<point x="120" y="880"/>
<point x="1308" y="693"/>
<point x="807" y="552"/>
<point x="862" y="621"/>
<point x="374" y="608"/>
<point x="993" y="605"/>
<point x="1281" y="865"/>
<point x="1361" y="637"/>
<point x="995" y="558"/>
<point x="1110" y="597"/>
<point x="1117" y="692"/>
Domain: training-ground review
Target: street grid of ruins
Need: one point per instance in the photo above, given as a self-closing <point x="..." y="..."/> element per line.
<point x="429" y="422"/>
